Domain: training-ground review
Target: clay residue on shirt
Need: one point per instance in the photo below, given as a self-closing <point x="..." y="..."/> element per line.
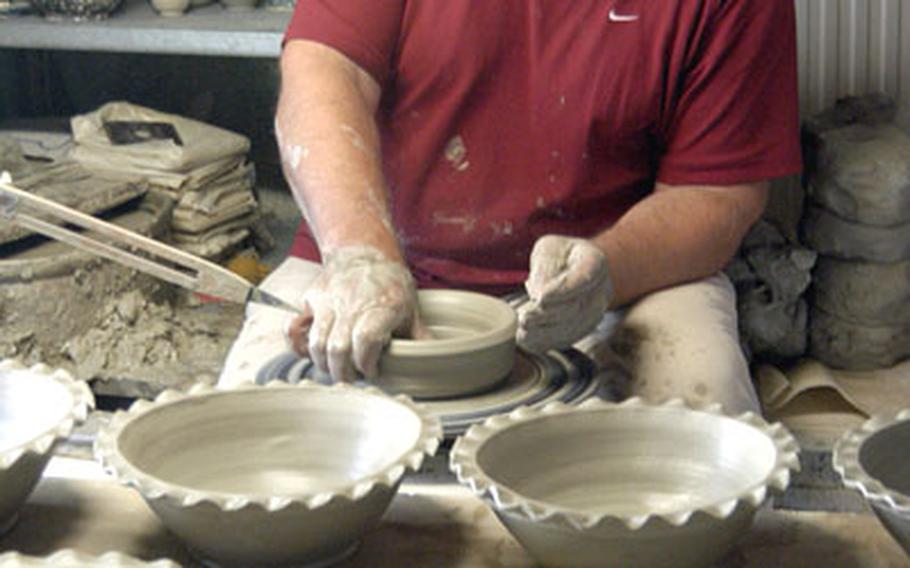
<point x="501" y="228"/>
<point x="456" y="154"/>
<point x="467" y="222"/>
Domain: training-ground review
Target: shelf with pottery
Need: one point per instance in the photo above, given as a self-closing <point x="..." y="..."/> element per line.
<point x="137" y="28"/>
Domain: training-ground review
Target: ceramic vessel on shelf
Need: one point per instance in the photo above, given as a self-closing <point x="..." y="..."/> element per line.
<point x="632" y="484"/>
<point x="875" y="460"/>
<point x="239" y="5"/>
<point x="170" y="8"/>
<point x="473" y="347"/>
<point x="76" y="9"/>
<point x="271" y="475"/>
<point x="38" y="407"/>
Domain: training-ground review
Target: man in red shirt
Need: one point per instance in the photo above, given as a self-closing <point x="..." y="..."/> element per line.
<point x="607" y="154"/>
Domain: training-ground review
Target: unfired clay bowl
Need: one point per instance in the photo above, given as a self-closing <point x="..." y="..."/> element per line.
<point x="268" y="476"/>
<point x="875" y="460"/>
<point x="631" y="485"/>
<point x="473" y="347"/>
<point x="38" y="406"/>
<point x="170" y="8"/>
<point x="74" y="559"/>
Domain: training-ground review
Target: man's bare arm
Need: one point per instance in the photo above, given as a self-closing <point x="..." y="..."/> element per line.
<point x="328" y="139"/>
<point x="675" y="235"/>
<point x="678" y="234"/>
<point x="329" y="143"/>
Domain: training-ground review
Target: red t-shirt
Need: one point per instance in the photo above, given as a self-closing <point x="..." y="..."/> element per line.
<point x="504" y="120"/>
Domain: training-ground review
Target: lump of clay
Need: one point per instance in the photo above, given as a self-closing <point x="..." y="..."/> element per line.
<point x="855" y="346"/>
<point x="872" y="109"/>
<point x="864" y="292"/>
<point x="11" y="158"/>
<point x="772" y="329"/>
<point x="863" y="174"/>
<point x="771" y="276"/>
<point x="831" y="235"/>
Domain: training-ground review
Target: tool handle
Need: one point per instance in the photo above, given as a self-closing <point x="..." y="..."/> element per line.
<point x="192" y="272"/>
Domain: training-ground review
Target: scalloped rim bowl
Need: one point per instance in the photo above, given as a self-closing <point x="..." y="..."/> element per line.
<point x="474" y="349"/>
<point x="874" y="459"/>
<point x="74" y="559"/>
<point x="274" y="475"/>
<point x="38" y="406"/>
<point x="631" y="484"/>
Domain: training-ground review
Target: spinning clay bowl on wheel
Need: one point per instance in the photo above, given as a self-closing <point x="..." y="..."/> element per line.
<point x="632" y="484"/>
<point x="268" y="476"/>
<point x="38" y="406"/>
<point x="875" y="460"/>
<point x="473" y="347"/>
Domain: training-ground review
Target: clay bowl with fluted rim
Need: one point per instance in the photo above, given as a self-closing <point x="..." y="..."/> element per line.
<point x="634" y="484"/>
<point x="874" y="459"/>
<point x="472" y="350"/>
<point x="268" y="475"/>
<point x="38" y="407"/>
<point x="74" y="559"/>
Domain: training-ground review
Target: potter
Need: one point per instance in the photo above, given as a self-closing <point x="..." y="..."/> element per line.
<point x="503" y="159"/>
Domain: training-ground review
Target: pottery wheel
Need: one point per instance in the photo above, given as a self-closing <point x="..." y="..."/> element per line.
<point x="566" y="376"/>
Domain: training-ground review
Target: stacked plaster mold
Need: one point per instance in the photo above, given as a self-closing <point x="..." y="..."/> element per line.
<point x="858" y="220"/>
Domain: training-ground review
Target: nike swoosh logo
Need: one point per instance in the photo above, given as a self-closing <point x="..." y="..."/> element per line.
<point x="615" y="17"/>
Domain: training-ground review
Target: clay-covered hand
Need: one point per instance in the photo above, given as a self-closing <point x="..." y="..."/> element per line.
<point x="351" y="311"/>
<point x="569" y="289"/>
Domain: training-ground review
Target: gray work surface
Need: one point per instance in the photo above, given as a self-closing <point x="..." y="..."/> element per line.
<point x="136" y="28"/>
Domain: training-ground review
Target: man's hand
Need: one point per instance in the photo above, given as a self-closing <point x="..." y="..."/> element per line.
<point x="569" y="289"/>
<point x="351" y="311"/>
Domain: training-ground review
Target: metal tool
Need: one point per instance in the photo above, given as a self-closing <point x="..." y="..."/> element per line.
<point x="106" y="239"/>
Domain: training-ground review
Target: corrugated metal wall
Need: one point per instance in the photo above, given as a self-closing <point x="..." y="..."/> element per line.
<point x="852" y="47"/>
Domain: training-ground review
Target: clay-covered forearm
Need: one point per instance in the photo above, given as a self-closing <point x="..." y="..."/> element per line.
<point x="329" y="144"/>
<point x="678" y="234"/>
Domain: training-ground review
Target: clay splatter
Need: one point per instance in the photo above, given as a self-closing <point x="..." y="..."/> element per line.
<point x="356" y="139"/>
<point x="501" y="229"/>
<point x="457" y="154"/>
<point x="467" y="222"/>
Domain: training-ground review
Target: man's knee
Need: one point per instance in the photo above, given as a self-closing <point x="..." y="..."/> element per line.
<point x="682" y="342"/>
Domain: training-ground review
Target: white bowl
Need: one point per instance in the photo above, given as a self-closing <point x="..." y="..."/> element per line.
<point x="630" y="485"/>
<point x="874" y="459"/>
<point x="38" y="406"/>
<point x="473" y="347"/>
<point x="75" y="559"/>
<point x="268" y="476"/>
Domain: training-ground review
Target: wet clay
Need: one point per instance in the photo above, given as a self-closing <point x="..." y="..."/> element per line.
<point x="165" y="342"/>
<point x="100" y="320"/>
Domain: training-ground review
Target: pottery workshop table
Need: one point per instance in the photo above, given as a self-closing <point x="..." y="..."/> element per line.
<point x="136" y="28"/>
<point x="428" y="525"/>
